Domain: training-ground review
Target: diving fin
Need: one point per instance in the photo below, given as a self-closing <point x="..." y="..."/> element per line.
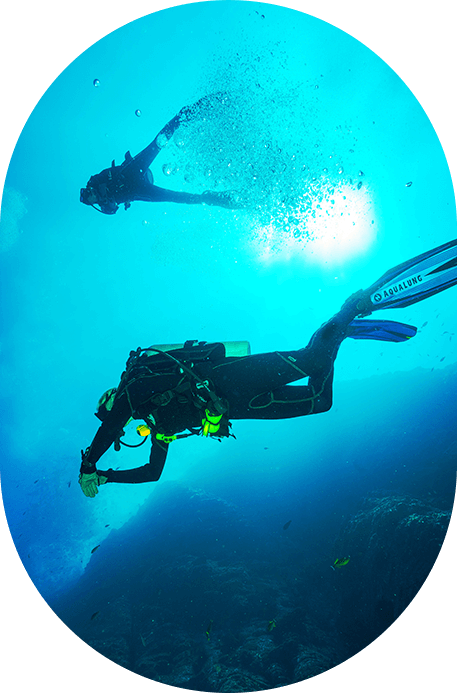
<point x="383" y="330"/>
<point x="414" y="280"/>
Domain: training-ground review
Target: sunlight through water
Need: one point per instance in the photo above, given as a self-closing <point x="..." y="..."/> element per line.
<point x="332" y="223"/>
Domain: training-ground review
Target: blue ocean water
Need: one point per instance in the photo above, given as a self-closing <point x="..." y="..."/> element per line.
<point x="94" y="287"/>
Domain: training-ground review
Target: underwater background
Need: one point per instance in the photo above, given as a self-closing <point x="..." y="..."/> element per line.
<point x="207" y="545"/>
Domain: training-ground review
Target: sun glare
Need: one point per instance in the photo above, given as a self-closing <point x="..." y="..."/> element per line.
<point x="337" y="224"/>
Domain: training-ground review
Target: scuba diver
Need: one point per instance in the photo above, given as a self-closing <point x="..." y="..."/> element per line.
<point x="200" y="387"/>
<point x="132" y="180"/>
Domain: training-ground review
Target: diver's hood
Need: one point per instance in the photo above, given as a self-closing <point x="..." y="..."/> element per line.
<point x="84" y="194"/>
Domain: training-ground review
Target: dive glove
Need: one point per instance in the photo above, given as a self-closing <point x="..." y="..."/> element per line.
<point x="89" y="483"/>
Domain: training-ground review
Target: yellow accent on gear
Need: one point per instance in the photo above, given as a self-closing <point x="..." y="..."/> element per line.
<point x="211" y="423"/>
<point x="143" y="430"/>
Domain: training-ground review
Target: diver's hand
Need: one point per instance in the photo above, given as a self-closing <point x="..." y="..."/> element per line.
<point x="89" y="483"/>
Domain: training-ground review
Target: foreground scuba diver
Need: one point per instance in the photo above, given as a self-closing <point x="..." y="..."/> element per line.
<point x="199" y="387"/>
<point x="133" y="180"/>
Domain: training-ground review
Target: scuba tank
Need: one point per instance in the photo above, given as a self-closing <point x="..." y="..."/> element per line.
<point x="242" y="348"/>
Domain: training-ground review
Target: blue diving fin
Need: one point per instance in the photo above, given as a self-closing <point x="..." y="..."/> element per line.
<point x="383" y="330"/>
<point x="415" y="279"/>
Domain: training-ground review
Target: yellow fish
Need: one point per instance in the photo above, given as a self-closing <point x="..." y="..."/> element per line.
<point x="209" y="629"/>
<point x="338" y="563"/>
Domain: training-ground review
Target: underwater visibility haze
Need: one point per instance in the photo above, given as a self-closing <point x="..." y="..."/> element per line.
<point x="275" y="554"/>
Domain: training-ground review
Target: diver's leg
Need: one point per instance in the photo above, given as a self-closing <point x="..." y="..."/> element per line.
<point x="151" y="193"/>
<point x="288" y="401"/>
<point x="276" y="369"/>
<point x="248" y="382"/>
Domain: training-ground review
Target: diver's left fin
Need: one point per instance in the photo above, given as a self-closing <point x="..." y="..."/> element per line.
<point x="415" y="280"/>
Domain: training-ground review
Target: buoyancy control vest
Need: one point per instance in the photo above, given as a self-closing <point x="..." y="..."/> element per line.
<point x="156" y="360"/>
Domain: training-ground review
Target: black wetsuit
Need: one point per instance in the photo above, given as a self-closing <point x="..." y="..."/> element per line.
<point x="255" y="387"/>
<point x="132" y="180"/>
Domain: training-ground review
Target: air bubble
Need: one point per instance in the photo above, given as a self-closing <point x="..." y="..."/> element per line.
<point x="359" y="185"/>
<point x="167" y="169"/>
<point x="96" y="83"/>
<point x="138" y="112"/>
<point x="340" y="170"/>
<point x="162" y="140"/>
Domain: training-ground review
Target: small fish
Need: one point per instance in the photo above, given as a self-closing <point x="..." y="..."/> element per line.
<point x="271" y="625"/>
<point x="338" y="563"/>
<point x="107" y="525"/>
<point x="69" y="484"/>
<point x="143" y="641"/>
<point x="442" y="359"/>
<point x="94" y="615"/>
<point x="409" y="184"/>
<point x="209" y="629"/>
<point x="95" y="549"/>
<point x="424" y="324"/>
<point x="286" y="525"/>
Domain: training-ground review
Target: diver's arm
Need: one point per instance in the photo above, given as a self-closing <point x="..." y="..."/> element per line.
<point x="145" y="158"/>
<point x="167" y="132"/>
<point x="164" y="195"/>
<point x="223" y="199"/>
<point x="146" y="473"/>
<point x="108" y="432"/>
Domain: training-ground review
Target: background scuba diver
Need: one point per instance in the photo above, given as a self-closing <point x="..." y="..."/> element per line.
<point x="199" y="387"/>
<point x="133" y="180"/>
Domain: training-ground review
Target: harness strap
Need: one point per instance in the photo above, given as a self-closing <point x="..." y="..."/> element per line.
<point x="213" y="406"/>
